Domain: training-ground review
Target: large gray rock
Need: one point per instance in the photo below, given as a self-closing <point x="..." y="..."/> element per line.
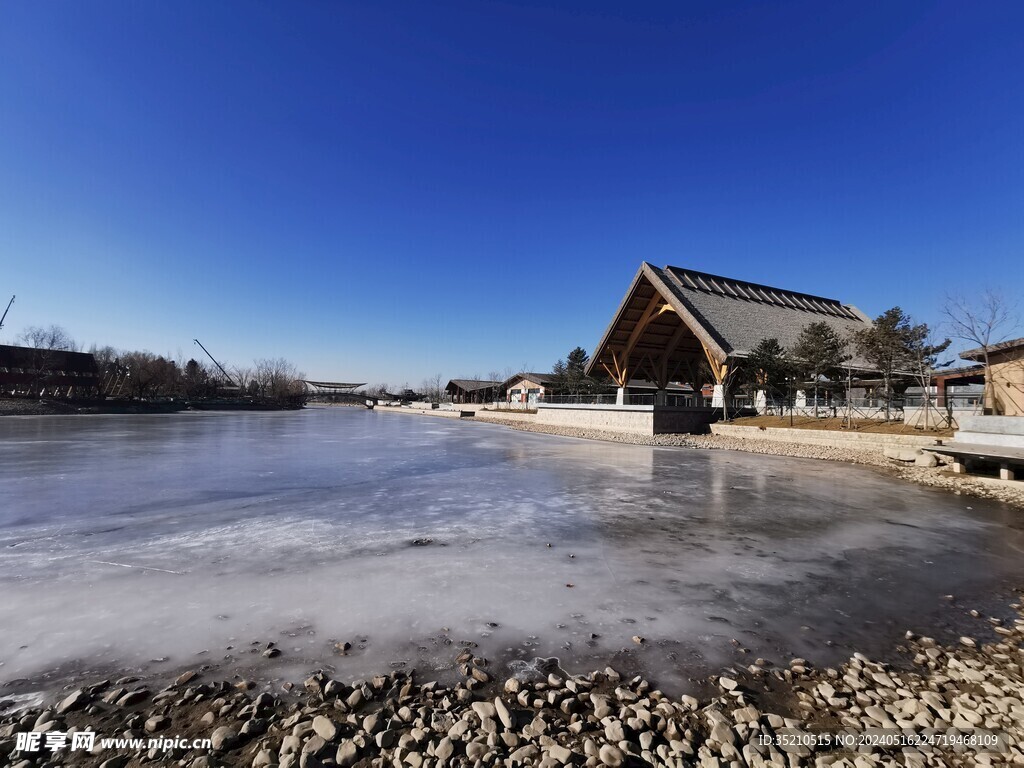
<point x="223" y="738"/>
<point x="503" y="712"/>
<point x="901" y="454"/>
<point x="926" y="460"/>
<point x="157" y="723"/>
<point x="325" y="728"/>
<point x="611" y="756"/>
<point x="76" y="700"/>
<point x="348" y="754"/>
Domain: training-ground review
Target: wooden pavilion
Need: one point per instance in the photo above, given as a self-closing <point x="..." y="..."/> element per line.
<point x="671" y="319"/>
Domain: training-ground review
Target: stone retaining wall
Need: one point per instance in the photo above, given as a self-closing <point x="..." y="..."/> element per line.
<point x="628" y="419"/>
<point x="856" y="440"/>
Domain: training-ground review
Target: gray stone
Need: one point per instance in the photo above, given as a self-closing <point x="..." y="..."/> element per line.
<point x="611" y="756"/>
<point x="525" y="754"/>
<point x="325" y="728"/>
<point x="614" y="732"/>
<point x="444" y="749"/>
<point x="386" y="739"/>
<point x="560" y="753"/>
<point x="348" y="754"/>
<point x="157" y="723"/>
<point x="76" y="700"/>
<point x="132" y="698"/>
<point x="484" y="709"/>
<point x="223" y="738"/>
<point x="503" y="712"/>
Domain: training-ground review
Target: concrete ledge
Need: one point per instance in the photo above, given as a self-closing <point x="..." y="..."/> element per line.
<point x="645" y="420"/>
<point x="992" y="430"/>
<point x="866" y="441"/>
<point x="596" y="407"/>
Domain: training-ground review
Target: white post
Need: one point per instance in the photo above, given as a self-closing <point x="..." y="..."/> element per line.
<point x="718" y="397"/>
<point x="801" y="398"/>
<point x="760" y="401"/>
<point x="621" y="398"/>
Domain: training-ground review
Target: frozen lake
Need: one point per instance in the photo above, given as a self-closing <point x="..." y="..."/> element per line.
<point x="156" y="542"/>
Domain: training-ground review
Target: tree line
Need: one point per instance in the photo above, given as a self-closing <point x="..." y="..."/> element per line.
<point x="895" y="347"/>
<point x="140" y="374"/>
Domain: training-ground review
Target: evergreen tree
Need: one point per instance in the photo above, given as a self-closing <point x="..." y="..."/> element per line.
<point x="886" y="347"/>
<point x="819" y="353"/>
<point x="570" y="374"/>
<point x="767" y="366"/>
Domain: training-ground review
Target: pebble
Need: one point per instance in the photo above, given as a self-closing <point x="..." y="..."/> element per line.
<point x="598" y="719"/>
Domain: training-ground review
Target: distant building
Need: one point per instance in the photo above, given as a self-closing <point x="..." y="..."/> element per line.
<point x="33" y="372"/>
<point x="473" y="390"/>
<point x="530" y="387"/>
<point x="1005" y="377"/>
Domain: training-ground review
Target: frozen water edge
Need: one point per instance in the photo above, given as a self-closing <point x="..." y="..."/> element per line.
<point x="129" y="539"/>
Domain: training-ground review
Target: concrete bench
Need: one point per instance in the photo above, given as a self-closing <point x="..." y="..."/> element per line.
<point x="1010" y="460"/>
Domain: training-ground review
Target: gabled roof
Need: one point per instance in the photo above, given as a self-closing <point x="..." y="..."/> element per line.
<point x="1001" y="348"/>
<point x="541" y="378"/>
<point x="739" y="314"/>
<point x="725" y="316"/>
<point x="472" y="385"/>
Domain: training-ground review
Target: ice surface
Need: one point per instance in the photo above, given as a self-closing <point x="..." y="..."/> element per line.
<point x="129" y="539"/>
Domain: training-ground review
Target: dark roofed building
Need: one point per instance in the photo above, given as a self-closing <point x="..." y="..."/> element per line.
<point x="473" y="390"/>
<point x="673" y="318"/>
<point x="47" y="372"/>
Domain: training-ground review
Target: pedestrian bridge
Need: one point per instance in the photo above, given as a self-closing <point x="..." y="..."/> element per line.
<point x="338" y="392"/>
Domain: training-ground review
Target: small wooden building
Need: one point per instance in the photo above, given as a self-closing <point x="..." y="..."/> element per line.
<point x="529" y="387"/>
<point x="473" y="390"/>
<point x="1004" y="378"/>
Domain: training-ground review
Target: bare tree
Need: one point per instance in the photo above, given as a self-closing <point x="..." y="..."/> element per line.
<point x="277" y="378"/>
<point x="433" y="388"/>
<point x="243" y="376"/>
<point x="52" y="337"/>
<point x="983" y="321"/>
<point x="923" y="349"/>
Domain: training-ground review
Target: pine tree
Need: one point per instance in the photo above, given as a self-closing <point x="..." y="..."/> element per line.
<point x="885" y="346"/>
<point x="819" y="353"/>
<point x="767" y="365"/>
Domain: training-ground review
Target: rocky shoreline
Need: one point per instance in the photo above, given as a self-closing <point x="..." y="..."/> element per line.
<point x="950" y="706"/>
<point x="938" y="477"/>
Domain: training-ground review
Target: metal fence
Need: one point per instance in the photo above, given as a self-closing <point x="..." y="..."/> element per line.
<point x="678" y="401"/>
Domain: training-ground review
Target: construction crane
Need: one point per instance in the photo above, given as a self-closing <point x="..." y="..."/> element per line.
<point x="219" y="366"/>
<point x="6" y="311"/>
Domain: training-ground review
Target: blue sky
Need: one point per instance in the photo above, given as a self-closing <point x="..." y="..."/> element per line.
<point x="385" y="191"/>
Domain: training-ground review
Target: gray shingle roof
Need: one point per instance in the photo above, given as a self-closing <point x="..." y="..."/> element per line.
<point x="541" y="378"/>
<point x="471" y="385"/>
<point x="739" y="314"/>
<point x="671" y="316"/>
